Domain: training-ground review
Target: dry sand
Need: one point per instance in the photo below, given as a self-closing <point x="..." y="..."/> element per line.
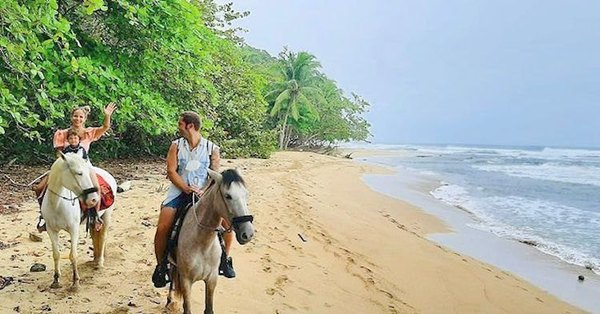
<point x="365" y="253"/>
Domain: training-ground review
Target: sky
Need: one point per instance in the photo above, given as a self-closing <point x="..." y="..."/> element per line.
<point x="457" y="72"/>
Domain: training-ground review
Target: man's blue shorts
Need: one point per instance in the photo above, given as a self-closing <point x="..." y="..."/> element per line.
<point x="180" y="201"/>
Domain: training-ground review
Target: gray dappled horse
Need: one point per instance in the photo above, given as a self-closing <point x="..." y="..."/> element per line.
<point x="70" y="181"/>
<point x="198" y="252"/>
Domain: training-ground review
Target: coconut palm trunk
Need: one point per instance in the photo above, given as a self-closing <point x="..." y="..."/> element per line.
<point x="283" y="131"/>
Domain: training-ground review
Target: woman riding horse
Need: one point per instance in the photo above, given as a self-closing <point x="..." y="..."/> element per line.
<point x="87" y="136"/>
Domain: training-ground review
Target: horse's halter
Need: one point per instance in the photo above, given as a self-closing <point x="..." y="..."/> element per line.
<point x="84" y="192"/>
<point x="235" y="221"/>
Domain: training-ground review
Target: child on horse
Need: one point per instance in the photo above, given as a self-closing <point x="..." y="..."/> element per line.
<point x="74" y="144"/>
<point x="86" y="137"/>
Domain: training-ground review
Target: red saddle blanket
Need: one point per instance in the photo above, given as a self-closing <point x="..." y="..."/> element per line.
<point x="107" y="196"/>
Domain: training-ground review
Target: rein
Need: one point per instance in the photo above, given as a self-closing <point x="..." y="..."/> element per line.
<point x="84" y="192"/>
<point x="201" y="225"/>
<point x="65" y="198"/>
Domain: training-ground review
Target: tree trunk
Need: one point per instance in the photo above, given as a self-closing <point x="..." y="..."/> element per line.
<point x="283" y="129"/>
<point x="288" y="135"/>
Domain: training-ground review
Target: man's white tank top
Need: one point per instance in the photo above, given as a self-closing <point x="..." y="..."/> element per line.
<point x="192" y="164"/>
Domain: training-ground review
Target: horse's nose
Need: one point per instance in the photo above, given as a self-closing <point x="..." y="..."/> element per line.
<point x="247" y="236"/>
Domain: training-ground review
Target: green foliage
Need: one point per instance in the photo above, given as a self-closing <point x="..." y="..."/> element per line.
<point x="219" y="18"/>
<point x="340" y="119"/>
<point x="307" y="107"/>
<point x="290" y="93"/>
<point x="155" y="59"/>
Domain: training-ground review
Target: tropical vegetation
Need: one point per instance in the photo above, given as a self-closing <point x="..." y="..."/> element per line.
<point x="155" y="59"/>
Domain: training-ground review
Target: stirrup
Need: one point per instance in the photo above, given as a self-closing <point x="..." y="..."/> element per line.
<point x="41" y="225"/>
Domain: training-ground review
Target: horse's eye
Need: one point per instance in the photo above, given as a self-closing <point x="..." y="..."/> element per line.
<point x="227" y="196"/>
<point x="79" y="173"/>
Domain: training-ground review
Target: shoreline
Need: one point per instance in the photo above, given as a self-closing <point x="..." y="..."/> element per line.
<point x="325" y="243"/>
<point x="544" y="270"/>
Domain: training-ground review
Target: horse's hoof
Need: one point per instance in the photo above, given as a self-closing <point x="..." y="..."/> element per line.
<point x="99" y="264"/>
<point x="172" y="307"/>
<point x="74" y="288"/>
<point x="55" y="285"/>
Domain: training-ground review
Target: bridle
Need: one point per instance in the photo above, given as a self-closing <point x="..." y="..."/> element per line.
<point x="84" y="192"/>
<point x="235" y="221"/>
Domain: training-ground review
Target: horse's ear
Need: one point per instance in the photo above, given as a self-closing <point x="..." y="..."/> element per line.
<point x="215" y="175"/>
<point x="60" y="155"/>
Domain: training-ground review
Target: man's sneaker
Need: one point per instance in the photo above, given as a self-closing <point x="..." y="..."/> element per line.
<point x="226" y="268"/>
<point x="159" y="277"/>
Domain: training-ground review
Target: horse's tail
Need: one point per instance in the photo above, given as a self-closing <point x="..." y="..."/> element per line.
<point x="176" y="282"/>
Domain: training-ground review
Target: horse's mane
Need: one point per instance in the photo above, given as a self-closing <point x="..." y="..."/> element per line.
<point x="230" y="176"/>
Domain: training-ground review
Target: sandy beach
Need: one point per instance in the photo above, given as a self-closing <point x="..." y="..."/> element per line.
<point x="364" y="252"/>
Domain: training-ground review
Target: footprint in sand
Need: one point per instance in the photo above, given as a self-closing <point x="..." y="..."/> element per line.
<point x="281" y="281"/>
<point x="271" y="291"/>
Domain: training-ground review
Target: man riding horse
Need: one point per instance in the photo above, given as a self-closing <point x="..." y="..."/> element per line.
<point x="188" y="160"/>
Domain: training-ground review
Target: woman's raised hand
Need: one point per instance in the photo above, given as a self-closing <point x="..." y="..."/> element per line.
<point x="109" y="109"/>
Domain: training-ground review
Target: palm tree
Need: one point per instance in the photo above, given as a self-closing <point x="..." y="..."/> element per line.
<point x="295" y="89"/>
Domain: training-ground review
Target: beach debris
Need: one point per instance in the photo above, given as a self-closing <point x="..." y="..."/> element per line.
<point x="17" y="309"/>
<point x="6" y="245"/>
<point x="155" y="301"/>
<point x="14" y="182"/>
<point x="581" y="278"/>
<point x="146" y="223"/>
<point x="349" y="156"/>
<point x="529" y="242"/>
<point x="124" y="186"/>
<point x="9" y="209"/>
<point x="35" y="237"/>
<point x="302" y="237"/>
<point x="161" y="188"/>
<point x="5" y="281"/>
<point x="46" y="308"/>
<point x="37" y="267"/>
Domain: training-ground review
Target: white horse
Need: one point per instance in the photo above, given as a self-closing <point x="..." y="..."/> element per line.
<point x="198" y="252"/>
<point x="70" y="181"/>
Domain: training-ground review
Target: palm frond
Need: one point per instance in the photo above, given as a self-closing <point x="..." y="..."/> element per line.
<point x="308" y="105"/>
<point x="294" y="112"/>
<point x="279" y="102"/>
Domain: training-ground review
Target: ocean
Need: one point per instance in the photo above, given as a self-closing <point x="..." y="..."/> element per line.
<point x="545" y="198"/>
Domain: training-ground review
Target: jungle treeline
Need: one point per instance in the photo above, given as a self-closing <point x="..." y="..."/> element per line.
<point x="155" y="59"/>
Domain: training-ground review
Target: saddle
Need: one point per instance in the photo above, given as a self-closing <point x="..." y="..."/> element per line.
<point x="176" y="229"/>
